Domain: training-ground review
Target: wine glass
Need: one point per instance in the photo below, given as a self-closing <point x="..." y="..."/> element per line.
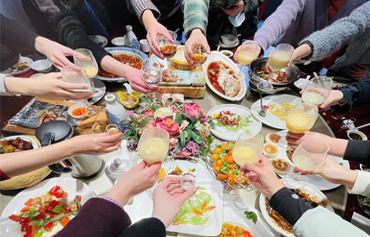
<point x="151" y="71"/>
<point x="308" y="156"/>
<point x="153" y="144"/>
<point x="85" y="60"/>
<point x="74" y="74"/>
<point x="317" y="90"/>
<point x="247" y="149"/>
<point x="279" y="59"/>
<point x="246" y="54"/>
<point x="199" y="57"/>
<point x="300" y="120"/>
<point x="168" y="49"/>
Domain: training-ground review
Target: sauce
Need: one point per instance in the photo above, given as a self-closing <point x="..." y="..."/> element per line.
<point x="213" y="71"/>
<point x="355" y="136"/>
<point x="79" y="111"/>
<point x="168" y="50"/>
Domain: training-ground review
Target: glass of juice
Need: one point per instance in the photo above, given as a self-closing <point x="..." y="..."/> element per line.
<point x="199" y="57"/>
<point x="246" y="54"/>
<point x="308" y="156"/>
<point x="279" y="59"/>
<point x="317" y="90"/>
<point x="168" y="49"/>
<point x="153" y="144"/>
<point x="247" y="149"/>
<point x="85" y="60"/>
<point x="112" y="129"/>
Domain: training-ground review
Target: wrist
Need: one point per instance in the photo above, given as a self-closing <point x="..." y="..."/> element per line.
<point x="275" y="189"/>
<point x="39" y="44"/>
<point x="348" y="178"/>
<point x="196" y="31"/>
<point x="147" y="18"/>
<point x="164" y="218"/>
<point x="119" y="193"/>
<point x="16" y="85"/>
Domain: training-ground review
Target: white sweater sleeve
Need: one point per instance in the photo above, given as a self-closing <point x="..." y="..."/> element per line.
<point x="2" y="85"/>
<point x="362" y="184"/>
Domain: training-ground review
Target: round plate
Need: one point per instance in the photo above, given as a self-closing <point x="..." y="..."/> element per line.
<point x="270" y="119"/>
<point x="121" y="50"/>
<point x="309" y="189"/>
<point x="222" y="133"/>
<point x="16" y="73"/>
<point x="314" y="179"/>
<point x="73" y="187"/>
<point x="229" y="46"/>
<point x="217" y="56"/>
<point x="99" y="85"/>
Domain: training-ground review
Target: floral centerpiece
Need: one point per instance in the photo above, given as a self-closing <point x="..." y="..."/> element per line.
<point x="187" y="124"/>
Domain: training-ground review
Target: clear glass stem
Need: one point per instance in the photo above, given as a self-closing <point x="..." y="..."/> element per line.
<point x="241" y="171"/>
<point x="241" y="70"/>
<point x="268" y="79"/>
<point x="93" y="88"/>
<point x="168" y="66"/>
<point x="297" y="177"/>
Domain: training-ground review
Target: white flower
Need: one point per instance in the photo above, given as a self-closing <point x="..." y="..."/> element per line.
<point x="198" y="126"/>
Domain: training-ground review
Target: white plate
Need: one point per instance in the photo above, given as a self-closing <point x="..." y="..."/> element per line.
<point x="233" y="213"/>
<point x="314" y="179"/>
<point x="222" y="133"/>
<point x="217" y="56"/>
<point x="10" y="228"/>
<point x="214" y="224"/>
<point x="270" y="119"/>
<point x="35" y="145"/>
<point x="309" y="189"/>
<point x="99" y="85"/>
<point x="21" y="60"/>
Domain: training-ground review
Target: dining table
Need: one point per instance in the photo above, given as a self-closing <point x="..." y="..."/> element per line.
<point x="343" y="203"/>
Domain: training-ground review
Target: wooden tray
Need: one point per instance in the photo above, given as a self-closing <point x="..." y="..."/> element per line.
<point x="195" y="92"/>
<point x="90" y="125"/>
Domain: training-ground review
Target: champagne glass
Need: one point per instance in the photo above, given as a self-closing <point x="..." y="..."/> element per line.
<point x="153" y="144"/>
<point x="308" y="156"/>
<point x="300" y="120"/>
<point x="317" y="90"/>
<point x="151" y="71"/>
<point x="278" y="60"/>
<point x="168" y="49"/>
<point x="247" y="149"/>
<point x="74" y="74"/>
<point x="85" y="60"/>
<point x="199" y="57"/>
<point x="246" y="54"/>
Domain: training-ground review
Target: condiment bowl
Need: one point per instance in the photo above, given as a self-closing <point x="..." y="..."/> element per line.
<point x="100" y="40"/>
<point x="123" y="97"/>
<point x="356" y="132"/>
<point x="73" y="107"/>
<point x="44" y="65"/>
<point x="119" y="41"/>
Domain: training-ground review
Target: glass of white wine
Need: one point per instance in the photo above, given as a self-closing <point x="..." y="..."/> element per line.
<point x="317" y="90"/>
<point x="247" y="149"/>
<point x="246" y="54"/>
<point x="153" y="144"/>
<point x="279" y="59"/>
<point x="151" y="71"/>
<point x="85" y="60"/>
<point x="308" y="156"/>
<point x="300" y="120"/>
<point x="74" y="74"/>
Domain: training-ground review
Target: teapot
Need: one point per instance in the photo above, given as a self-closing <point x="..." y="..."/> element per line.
<point x="80" y="166"/>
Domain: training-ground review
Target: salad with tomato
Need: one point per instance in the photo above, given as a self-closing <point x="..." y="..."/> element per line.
<point x="43" y="213"/>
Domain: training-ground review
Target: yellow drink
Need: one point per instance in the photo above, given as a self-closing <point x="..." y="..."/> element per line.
<point x="312" y="97"/>
<point x="91" y="71"/>
<point x="245" y="57"/>
<point x="153" y="149"/>
<point x="244" y="155"/>
<point x="299" y="122"/>
<point x="304" y="163"/>
<point x="278" y="60"/>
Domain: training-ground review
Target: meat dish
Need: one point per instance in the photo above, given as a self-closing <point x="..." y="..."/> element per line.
<point x="223" y="78"/>
<point x="14" y="145"/>
<point x="279" y="77"/>
<point x="129" y="60"/>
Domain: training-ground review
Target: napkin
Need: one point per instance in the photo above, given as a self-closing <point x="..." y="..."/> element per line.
<point x="361" y="222"/>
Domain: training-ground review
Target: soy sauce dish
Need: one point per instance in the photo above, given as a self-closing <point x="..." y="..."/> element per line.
<point x="356" y="135"/>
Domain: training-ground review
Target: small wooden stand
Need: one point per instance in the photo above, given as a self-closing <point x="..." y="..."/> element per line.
<point x="195" y="92"/>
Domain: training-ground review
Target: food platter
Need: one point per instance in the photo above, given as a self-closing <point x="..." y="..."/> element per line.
<point x="13" y="69"/>
<point x="73" y="187"/>
<point x="118" y="51"/>
<point x="314" y="179"/>
<point x="309" y="189"/>
<point x="217" y="56"/>
<point x="214" y="225"/>
<point x="270" y="119"/>
<point x="222" y="133"/>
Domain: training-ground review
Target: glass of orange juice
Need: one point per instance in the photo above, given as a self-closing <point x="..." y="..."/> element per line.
<point x="246" y="54"/>
<point x="153" y="144"/>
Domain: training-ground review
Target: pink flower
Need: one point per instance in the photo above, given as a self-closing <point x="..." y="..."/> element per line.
<point x="167" y="124"/>
<point x="135" y="116"/>
<point x="147" y="111"/>
<point x="149" y="124"/>
<point x="192" y="109"/>
<point x="174" y="109"/>
<point x="172" y="142"/>
<point x="204" y="132"/>
<point x="184" y="124"/>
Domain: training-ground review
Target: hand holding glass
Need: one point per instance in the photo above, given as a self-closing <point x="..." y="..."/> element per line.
<point x="317" y="90"/>
<point x="246" y="53"/>
<point x="151" y="71"/>
<point x="199" y="57"/>
<point x="168" y="49"/>
<point x="153" y="144"/>
<point x="85" y="60"/>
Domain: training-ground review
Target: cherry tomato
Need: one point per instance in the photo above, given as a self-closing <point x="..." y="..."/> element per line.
<point x="217" y="150"/>
<point x="216" y="168"/>
<point x="214" y="156"/>
<point x="229" y="159"/>
<point x="222" y="176"/>
<point x="230" y="152"/>
<point x="228" y="112"/>
<point x="230" y="173"/>
<point x="229" y="143"/>
<point x="219" y="162"/>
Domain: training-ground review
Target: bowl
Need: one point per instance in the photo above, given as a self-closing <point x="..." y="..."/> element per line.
<point x="229" y="39"/>
<point x="292" y="72"/>
<point x="44" y="65"/>
<point x="123" y="97"/>
<point x="227" y="53"/>
<point x="119" y="41"/>
<point x="73" y="107"/>
<point x="100" y="40"/>
<point x="360" y="135"/>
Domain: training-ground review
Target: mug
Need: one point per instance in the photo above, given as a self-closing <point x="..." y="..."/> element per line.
<point x="144" y="46"/>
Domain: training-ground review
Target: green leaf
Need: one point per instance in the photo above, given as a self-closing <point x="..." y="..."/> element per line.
<point x="168" y="102"/>
<point x="251" y="216"/>
<point x="222" y="154"/>
<point x="196" y="137"/>
<point x="189" y="135"/>
<point x="191" y="118"/>
<point x="209" y="141"/>
<point x="183" y="138"/>
<point x="205" y="151"/>
<point x="229" y="147"/>
<point x="200" y="115"/>
<point x="134" y="120"/>
<point x="177" y="147"/>
<point x="144" y="122"/>
<point x="146" y="101"/>
<point x="224" y="170"/>
<point x="178" y="119"/>
<point x="235" y="171"/>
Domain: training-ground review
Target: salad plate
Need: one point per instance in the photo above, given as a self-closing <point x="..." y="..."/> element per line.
<point x="313" y="179"/>
<point x="214" y="224"/>
<point x="10" y="228"/>
<point x="230" y="133"/>
<point x="270" y="119"/>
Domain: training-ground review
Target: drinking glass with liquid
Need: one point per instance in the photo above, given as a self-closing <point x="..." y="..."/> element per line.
<point x="317" y="90"/>
<point x="168" y="48"/>
<point x="246" y="53"/>
<point x="153" y="144"/>
<point x="85" y="60"/>
<point x="151" y="71"/>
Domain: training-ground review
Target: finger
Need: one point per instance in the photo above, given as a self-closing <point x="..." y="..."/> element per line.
<point x="190" y="192"/>
<point x="156" y="47"/>
<point x="57" y="63"/>
<point x="112" y="138"/>
<point x="154" y="168"/>
<point x="189" y="54"/>
<point x="72" y="86"/>
<point x="140" y="166"/>
<point x="168" y="36"/>
<point x="173" y="186"/>
<point x="64" y="60"/>
<point x="294" y="135"/>
<point x="77" y="95"/>
<point x="177" y="192"/>
<point x="57" y="75"/>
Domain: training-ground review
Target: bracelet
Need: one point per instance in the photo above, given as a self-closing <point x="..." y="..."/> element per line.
<point x="311" y="46"/>
<point x="112" y="200"/>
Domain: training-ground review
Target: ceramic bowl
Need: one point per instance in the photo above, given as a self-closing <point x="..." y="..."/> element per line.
<point x="356" y="132"/>
<point x="119" y="41"/>
<point x="227" y="53"/>
<point x="229" y="39"/>
<point x="100" y="40"/>
<point x="74" y="107"/>
<point x="44" y="65"/>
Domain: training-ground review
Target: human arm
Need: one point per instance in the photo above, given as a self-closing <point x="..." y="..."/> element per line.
<point x="16" y="163"/>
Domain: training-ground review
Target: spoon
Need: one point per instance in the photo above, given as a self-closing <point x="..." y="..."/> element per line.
<point x="131" y="91"/>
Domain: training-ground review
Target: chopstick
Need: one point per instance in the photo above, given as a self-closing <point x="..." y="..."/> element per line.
<point x="363" y="126"/>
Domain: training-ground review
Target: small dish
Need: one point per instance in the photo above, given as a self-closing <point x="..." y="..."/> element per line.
<point x="144" y="46"/>
<point x="301" y="83"/>
<point x="227" y="53"/>
<point x="119" y="41"/>
<point x="100" y="40"/>
<point x="76" y="111"/>
<point x="356" y="135"/>
<point x="229" y="39"/>
<point x="126" y="100"/>
<point x="43" y="65"/>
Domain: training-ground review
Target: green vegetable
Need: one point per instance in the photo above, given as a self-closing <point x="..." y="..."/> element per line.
<point x="229" y="147"/>
<point x="224" y="170"/>
<point x="57" y="209"/>
<point x="31" y="214"/>
<point x="251" y="216"/>
<point x="222" y="154"/>
<point x="202" y="188"/>
<point x="205" y="151"/>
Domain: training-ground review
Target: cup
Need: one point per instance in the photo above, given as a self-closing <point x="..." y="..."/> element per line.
<point x="144" y="45"/>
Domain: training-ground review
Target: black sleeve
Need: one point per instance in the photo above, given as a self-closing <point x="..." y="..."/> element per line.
<point x="358" y="151"/>
<point x="289" y="205"/>
<point x="13" y="33"/>
<point x="149" y="227"/>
